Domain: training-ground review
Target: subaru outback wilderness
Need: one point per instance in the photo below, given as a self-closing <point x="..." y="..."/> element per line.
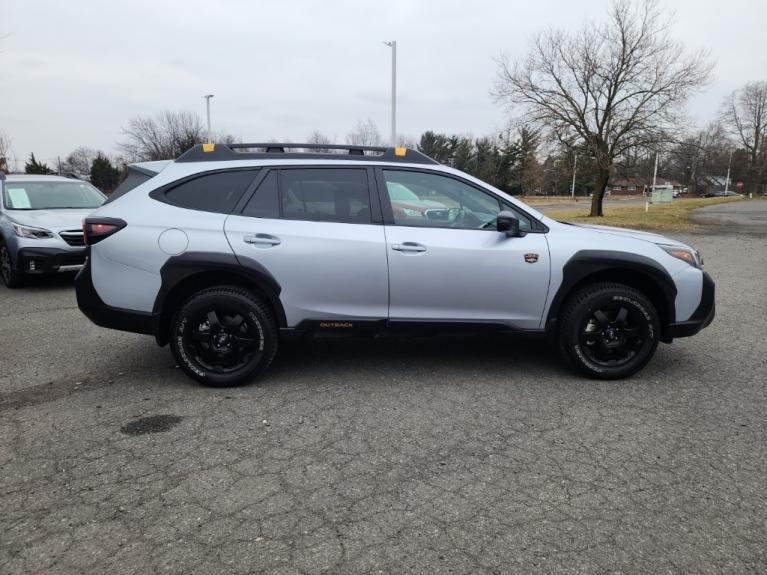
<point x="226" y="249"/>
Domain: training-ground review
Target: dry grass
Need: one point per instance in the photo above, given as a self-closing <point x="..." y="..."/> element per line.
<point x="537" y="200"/>
<point x="673" y="216"/>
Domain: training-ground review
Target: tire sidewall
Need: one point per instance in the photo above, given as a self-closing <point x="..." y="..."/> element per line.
<point x="571" y="344"/>
<point x="12" y="281"/>
<point x="183" y="322"/>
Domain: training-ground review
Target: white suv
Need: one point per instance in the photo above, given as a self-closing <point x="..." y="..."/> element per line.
<point x="229" y="247"/>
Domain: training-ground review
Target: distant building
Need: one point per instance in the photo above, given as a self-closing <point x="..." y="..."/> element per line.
<point x="639" y="186"/>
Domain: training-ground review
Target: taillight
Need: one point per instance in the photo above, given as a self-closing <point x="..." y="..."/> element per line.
<point x="97" y="229"/>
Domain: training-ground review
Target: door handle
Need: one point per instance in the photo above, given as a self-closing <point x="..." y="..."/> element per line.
<point x="263" y="240"/>
<point x="411" y="247"/>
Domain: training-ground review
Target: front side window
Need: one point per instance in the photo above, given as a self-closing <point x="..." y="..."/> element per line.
<point x="325" y="195"/>
<point x="430" y="200"/>
<point x="218" y="192"/>
<point x="31" y="195"/>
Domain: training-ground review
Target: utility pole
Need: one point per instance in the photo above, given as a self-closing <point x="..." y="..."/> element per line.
<point x="727" y="179"/>
<point x="575" y="166"/>
<point x="393" y="46"/>
<point x="654" y="175"/>
<point x="207" y="109"/>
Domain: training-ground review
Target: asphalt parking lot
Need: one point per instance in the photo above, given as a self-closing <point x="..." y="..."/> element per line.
<point x="449" y="455"/>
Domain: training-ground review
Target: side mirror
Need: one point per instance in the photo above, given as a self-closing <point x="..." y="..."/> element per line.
<point x="508" y="223"/>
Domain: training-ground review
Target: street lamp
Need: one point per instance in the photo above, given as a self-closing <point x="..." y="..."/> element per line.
<point x="575" y="166"/>
<point x="393" y="46"/>
<point x="727" y="179"/>
<point x="207" y="109"/>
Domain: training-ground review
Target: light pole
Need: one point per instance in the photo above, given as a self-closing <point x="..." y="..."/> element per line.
<point x="575" y="166"/>
<point x="393" y="46"/>
<point x="727" y="179"/>
<point x="207" y="110"/>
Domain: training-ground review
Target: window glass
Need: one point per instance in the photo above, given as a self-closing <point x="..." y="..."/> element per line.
<point x="217" y="192"/>
<point x="326" y="195"/>
<point x="51" y="195"/>
<point x="265" y="203"/>
<point x="430" y="200"/>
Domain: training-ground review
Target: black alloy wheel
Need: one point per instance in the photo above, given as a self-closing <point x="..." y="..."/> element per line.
<point x="224" y="336"/>
<point x="608" y="331"/>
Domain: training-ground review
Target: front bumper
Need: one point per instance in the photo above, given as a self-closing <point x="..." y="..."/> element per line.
<point x="48" y="260"/>
<point x="91" y="304"/>
<point x="703" y="314"/>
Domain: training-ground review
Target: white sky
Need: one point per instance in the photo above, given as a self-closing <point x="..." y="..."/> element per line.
<point x="72" y="73"/>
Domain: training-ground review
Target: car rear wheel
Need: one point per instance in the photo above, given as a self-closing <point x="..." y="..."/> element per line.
<point x="224" y="336"/>
<point x="608" y="331"/>
<point x="9" y="275"/>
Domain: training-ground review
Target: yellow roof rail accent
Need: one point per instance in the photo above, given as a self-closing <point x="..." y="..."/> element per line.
<point x="208" y="147"/>
<point x="400" y="151"/>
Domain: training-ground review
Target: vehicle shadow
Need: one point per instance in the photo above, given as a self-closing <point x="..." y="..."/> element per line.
<point x="381" y="356"/>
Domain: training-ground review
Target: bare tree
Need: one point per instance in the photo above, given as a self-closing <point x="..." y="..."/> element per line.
<point x="80" y="160"/>
<point x="162" y="137"/>
<point x="365" y="134"/>
<point x="745" y="115"/>
<point x="610" y="87"/>
<point x="5" y="152"/>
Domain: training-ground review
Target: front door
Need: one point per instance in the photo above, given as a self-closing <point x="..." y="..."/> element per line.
<point x="447" y="262"/>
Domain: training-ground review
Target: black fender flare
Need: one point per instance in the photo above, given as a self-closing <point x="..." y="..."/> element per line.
<point x="603" y="263"/>
<point x="178" y="269"/>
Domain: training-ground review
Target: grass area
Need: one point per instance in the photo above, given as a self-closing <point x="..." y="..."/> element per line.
<point x="673" y="216"/>
<point x="536" y="200"/>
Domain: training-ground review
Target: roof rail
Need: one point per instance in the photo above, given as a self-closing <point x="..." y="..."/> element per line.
<point x="272" y="150"/>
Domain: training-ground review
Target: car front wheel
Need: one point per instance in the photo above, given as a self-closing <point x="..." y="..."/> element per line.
<point x="608" y="331"/>
<point x="9" y="275"/>
<point x="224" y="336"/>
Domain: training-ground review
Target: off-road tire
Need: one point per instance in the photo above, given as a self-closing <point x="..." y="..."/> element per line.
<point x="199" y="340"/>
<point x="592" y="338"/>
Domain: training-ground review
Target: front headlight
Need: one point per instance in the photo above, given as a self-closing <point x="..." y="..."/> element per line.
<point x="30" y="232"/>
<point x="689" y="256"/>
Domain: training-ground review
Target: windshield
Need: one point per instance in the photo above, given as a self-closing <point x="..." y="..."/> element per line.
<point x="33" y="195"/>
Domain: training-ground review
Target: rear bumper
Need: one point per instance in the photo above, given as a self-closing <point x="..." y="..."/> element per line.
<point x="32" y="261"/>
<point x="703" y="314"/>
<point x="104" y="315"/>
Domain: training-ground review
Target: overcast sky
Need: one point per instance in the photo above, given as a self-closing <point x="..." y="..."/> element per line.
<point x="74" y="72"/>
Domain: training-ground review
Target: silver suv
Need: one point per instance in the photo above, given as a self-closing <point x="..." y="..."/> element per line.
<point x="41" y="230"/>
<point x="230" y="247"/>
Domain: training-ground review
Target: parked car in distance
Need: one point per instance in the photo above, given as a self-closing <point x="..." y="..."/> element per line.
<point x="229" y="248"/>
<point x="722" y="194"/>
<point x="41" y="225"/>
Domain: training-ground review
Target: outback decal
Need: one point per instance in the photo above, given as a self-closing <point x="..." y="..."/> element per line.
<point x="336" y="324"/>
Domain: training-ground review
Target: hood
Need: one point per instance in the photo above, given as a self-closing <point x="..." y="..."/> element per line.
<point x="54" y="220"/>
<point x="633" y="234"/>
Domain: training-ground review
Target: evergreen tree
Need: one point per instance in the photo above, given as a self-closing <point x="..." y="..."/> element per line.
<point x="35" y="167"/>
<point x="103" y="174"/>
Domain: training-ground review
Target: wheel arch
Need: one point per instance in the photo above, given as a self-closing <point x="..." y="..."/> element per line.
<point x="194" y="271"/>
<point x="636" y="271"/>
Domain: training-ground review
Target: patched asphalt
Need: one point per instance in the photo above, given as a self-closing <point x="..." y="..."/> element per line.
<point x="446" y="455"/>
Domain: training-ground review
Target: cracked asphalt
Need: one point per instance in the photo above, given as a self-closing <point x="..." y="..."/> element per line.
<point x="449" y="455"/>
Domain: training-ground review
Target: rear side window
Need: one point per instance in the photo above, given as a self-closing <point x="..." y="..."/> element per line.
<point x="265" y="203"/>
<point x="218" y="192"/>
<point x="325" y="195"/>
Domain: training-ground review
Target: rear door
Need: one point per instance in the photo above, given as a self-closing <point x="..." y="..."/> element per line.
<point x="317" y="232"/>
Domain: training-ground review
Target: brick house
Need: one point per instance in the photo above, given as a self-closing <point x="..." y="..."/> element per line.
<point x="639" y="186"/>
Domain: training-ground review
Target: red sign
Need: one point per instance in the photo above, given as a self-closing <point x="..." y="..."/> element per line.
<point x="739" y="185"/>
